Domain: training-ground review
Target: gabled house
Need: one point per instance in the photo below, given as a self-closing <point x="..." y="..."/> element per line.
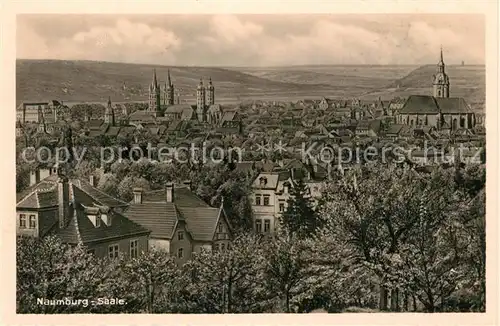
<point x="395" y="106"/>
<point x="326" y="104"/>
<point x="393" y="131"/>
<point x="230" y="123"/>
<point x="78" y="213"/>
<point x="368" y="128"/>
<point x="180" y="222"/>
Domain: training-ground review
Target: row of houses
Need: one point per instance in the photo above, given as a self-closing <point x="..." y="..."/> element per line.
<point x="172" y="219"/>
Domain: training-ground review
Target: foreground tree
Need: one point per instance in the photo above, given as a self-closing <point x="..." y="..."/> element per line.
<point x="285" y="267"/>
<point x="300" y="218"/>
<point x="48" y="269"/>
<point x="153" y="276"/>
<point x="226" y="281"/>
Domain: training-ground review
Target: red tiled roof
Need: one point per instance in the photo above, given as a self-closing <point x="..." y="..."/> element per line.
<point x="201" y="222"/>
<point x="420" y="104"/>
<point x="159" y="217"/>
<point x="183" y="196"/>
<point x="81" y="229"/>
<point x="453" y="105"/>
<point x="98" y="195"/>
<point x="39" y="197"/>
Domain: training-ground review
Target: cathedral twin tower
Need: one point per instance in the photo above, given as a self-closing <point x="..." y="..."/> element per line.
<point x="205" y="96"/>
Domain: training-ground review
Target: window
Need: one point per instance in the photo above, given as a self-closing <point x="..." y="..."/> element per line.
<point x="258" y="226"/>
<point x="22" y="221"/>
<point x="32" y="221"/>
<point x="216" y="247"/>
<point x="113" y="251"/>
<point x="221" y="228"/>
<point x="257" y="200"/>
<point x="267" y="226"/>
<point x="222" y="247"/>
<point x="266" y="200"/>
<point x="282" y="207"/>
<point x="97" y="222"/>
<point x="134" y="248"/>
<point x="180" y="253"/>
<point x="180" y="235"/>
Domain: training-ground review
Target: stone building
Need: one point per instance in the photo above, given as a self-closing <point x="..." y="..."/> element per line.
<point x="180" y="222"/>
<point x="441" y="83"/>
<point x="154" y="96"/>
<point x="78" y="213"/>
<point x="440" y="110"/>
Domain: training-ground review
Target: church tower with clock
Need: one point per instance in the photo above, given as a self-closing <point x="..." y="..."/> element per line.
<point x="441" y="83"/>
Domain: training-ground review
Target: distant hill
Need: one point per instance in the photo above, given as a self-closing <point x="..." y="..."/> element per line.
<point x="95" y="81"/>
<point x="465" y="81"/>
<point x="91" y="81"/>
<point x="362" y="77"/>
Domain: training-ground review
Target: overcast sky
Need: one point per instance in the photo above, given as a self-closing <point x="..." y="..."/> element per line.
<point x="253" y="40"/>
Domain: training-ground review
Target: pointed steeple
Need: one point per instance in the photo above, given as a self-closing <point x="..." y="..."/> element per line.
<point x="200" y="85"/>
<point x="169" y="81"/>
<point x="154" y="83"/>
<point x="441" y="61"/>
<point x="109" y="114"/>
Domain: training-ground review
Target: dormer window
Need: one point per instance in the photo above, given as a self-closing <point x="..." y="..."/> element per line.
<point x="93" y="215"/>
<point x="105" y="218"/>
<point x="263" y="181"/>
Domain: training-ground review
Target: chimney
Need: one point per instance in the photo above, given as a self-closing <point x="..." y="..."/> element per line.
<point x="170" y="192"/>
<point x="187" y="183"/>
<point x="63" y="200"/>
<point x="34" y="177"/>
<point x="292" y="174"/>
<point x="137" y="195"/>
<point x="92" y="180"/>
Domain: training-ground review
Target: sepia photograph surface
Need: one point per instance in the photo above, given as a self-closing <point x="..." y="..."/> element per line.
<point x="250" y="163"/>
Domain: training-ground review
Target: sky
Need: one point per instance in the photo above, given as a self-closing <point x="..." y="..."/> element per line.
<point x="254" y="40"/>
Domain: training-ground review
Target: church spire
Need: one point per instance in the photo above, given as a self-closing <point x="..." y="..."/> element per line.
<point x="441" y="65"/>
<point x="169" y="81"/>
<point x="154" y="83"/>
<point x="441" y="83"/>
